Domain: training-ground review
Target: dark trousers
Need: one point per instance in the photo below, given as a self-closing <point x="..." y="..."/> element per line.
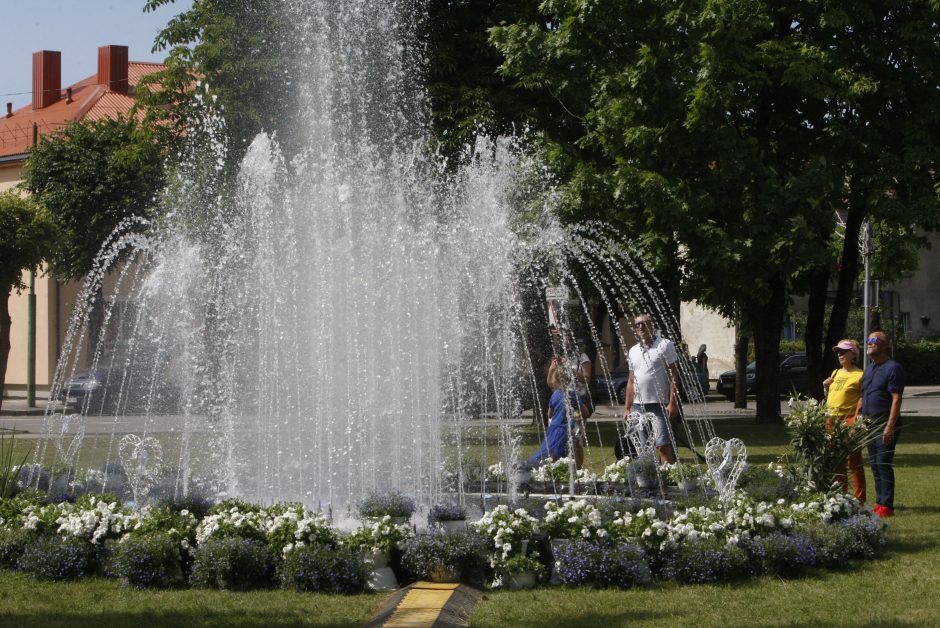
<point x="882" y="467"/>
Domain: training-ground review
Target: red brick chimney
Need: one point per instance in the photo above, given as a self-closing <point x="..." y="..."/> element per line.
<point x="112" y="68"/>
<point x="47" y="77"/>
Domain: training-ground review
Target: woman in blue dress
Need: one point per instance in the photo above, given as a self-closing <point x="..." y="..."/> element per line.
<point x="555" y="445"/>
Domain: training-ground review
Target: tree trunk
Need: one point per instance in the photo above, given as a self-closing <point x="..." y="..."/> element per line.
<point x="813" y="335"/>
<point x="848" y="276"/>
<point x="5" y="324"/>
<point x="766" y="323"/>
<point x="741" y="343"/>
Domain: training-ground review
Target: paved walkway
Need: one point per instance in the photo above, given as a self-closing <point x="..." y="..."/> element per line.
<point x="428" y="605"/>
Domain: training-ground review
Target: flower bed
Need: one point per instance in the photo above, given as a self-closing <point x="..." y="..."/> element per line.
<point x="609" y="542"/>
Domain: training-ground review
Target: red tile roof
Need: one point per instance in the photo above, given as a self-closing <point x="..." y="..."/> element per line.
<point x="89" y="101"/>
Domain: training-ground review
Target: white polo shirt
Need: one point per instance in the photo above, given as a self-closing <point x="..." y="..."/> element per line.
<point x="650" y="368"/>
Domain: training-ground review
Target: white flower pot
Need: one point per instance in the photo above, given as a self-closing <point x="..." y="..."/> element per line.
<point x="645" y="481"/>
<point x="524" y="580"/>
<point x="451" y="527"/>
<point x="375" y="558"/>
<point x="382" y="579"/>
<point x="688" y="484"/>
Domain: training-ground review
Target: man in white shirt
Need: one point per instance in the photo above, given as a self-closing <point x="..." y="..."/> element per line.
<point x="651" y="386"/>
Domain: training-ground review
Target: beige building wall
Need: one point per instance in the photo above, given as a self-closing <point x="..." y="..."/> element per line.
<point x="701" y="326"/>
<point x="919" y="295"/>
<point x="9" y="175"/>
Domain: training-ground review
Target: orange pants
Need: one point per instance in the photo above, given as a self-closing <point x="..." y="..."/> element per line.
<point x="855" y="466"/>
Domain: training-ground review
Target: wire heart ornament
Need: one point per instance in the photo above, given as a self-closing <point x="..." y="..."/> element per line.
<point x="726" y="460"/>
<point x="640" y="432"/>
<point x="143" y="460"/>
<point x="67" y="432"/>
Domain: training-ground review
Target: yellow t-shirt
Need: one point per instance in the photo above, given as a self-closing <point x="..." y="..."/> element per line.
<point x="844" y="392"/>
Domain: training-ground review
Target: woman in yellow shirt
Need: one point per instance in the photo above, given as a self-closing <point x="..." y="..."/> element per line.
<point x="844" y="388"/>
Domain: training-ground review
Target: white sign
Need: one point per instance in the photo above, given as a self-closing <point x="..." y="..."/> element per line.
<point x="556" y="293"/>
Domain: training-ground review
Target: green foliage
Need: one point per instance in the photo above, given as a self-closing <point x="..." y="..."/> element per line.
<point x="89" y="177"/>
<point x="326" y="568"/>
<point x="820" y="445"/>
<point x="232" y="563"/>
<point x="921" y="361"/>
<point x="26" y="235"/>
<point x="247" y="51"/>
<point x="10" y="465"/>
<point x="148" y="561"/>
<point x="53" y="557"/>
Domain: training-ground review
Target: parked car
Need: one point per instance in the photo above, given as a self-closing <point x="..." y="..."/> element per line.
<point x="792" y="377"/>
<point x="94" y="392"/>
<point x="602" y="385"/>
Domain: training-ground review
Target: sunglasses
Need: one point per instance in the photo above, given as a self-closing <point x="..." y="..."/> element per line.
<point x="641" y="324"/>
<point x="873" y="341"/>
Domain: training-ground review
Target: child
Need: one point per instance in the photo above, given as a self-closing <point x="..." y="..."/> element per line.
<point x="555" y="444"/>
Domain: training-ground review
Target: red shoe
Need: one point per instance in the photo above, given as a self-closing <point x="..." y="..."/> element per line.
<point x="879" y="510"/>
<point x="886" y="512"/>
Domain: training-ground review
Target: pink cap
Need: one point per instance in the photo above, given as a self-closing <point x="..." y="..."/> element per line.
<point x="846" y="345"/>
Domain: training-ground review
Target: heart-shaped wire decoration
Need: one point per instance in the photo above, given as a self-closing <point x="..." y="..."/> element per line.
<point x="726" y="460"/>
<point x="640" y="432"/>
<point x="67" y="444"/>
<point x="142" y="459"/>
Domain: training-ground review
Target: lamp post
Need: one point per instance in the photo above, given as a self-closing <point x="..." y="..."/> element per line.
<point x="866" y="295"/>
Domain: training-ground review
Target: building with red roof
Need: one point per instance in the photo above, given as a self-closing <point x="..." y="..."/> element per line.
<point x="109" y="93"/>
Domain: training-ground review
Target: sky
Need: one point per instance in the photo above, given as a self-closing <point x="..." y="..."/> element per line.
<point x="76" y="28"/>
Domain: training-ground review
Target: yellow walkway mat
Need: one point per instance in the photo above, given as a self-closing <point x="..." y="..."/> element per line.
<point x="421" y="606"/>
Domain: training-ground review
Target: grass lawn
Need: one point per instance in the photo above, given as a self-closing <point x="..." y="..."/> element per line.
<point x="897" y="590"/>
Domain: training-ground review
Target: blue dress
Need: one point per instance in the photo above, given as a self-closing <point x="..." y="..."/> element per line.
<point x="555" y="444"/>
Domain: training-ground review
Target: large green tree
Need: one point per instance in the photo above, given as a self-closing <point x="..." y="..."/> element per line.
<point x="732" y="131"/>
<point x="89" y="177"/>
<point x="248" y="53"/>
<point x="26" y="235"/>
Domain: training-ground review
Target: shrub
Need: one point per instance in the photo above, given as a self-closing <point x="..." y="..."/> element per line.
<point x="393" y="504"/>
<point x="232" y="563"/>
<point x="921" y="361"/>
<point x="446" y="512"/>
<point x="383" y="535"/>
<point x="703" y="562"/>
<point x="782" y="555"/>
<point x="197" y="505"/>
<point x="601" y="564"/>
<point x="464" y="553"/>
<point x="12" y="544"/>
<point x="324" y="568"/>
<point x="52" y="557"/>
<point x="867" y="535"/>
<point x="148" y="561"/>
<point x="766" y="484"/>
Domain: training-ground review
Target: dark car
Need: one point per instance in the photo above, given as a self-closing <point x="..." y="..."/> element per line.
<point x="792" y="377"/>
<point x="98" y="392"/>
<point x="616" y="383"/>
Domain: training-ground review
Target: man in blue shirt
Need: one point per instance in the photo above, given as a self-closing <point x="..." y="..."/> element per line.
<point x="882" y="389"/>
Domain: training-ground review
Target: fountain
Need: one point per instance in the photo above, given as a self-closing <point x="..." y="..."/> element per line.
<point x="347" y="317"/>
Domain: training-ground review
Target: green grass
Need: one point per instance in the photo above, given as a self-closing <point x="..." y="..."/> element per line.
<point x="897" y="590"/>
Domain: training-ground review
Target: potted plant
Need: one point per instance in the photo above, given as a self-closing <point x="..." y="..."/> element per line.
<point x="449" y="517"/>
<point x="521" y="572"/>
<point x="646" y="470"/>
<point x="395" y="504"/>
<point x="685" y="476"/>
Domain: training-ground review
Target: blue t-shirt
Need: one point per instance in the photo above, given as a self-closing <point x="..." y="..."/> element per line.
<point x="878" y="382"/>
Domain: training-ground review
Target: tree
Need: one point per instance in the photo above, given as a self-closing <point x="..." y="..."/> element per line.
<point x="733" y="130"/>
<point x="26" y="234"/>
<point x="247" y="52"/>
<point x="89" y="177"/>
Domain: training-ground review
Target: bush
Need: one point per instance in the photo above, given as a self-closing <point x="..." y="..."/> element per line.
<point x="148" y="561"/>
<point x="12" y="544"/>
<point x="232" y="563"/>
<point x="866" y="535"/>
<point x="324" y="568"/>
<point x="768" y="485"/>
<point x="464" y="553"/>
<point x="921" y="361"/>
<point x="393" y="504"/>
<point x="52" y="557"/>
<point x="783" y="555"/>
<point x="616" y="564"/>
<point x="704" y="562"/>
